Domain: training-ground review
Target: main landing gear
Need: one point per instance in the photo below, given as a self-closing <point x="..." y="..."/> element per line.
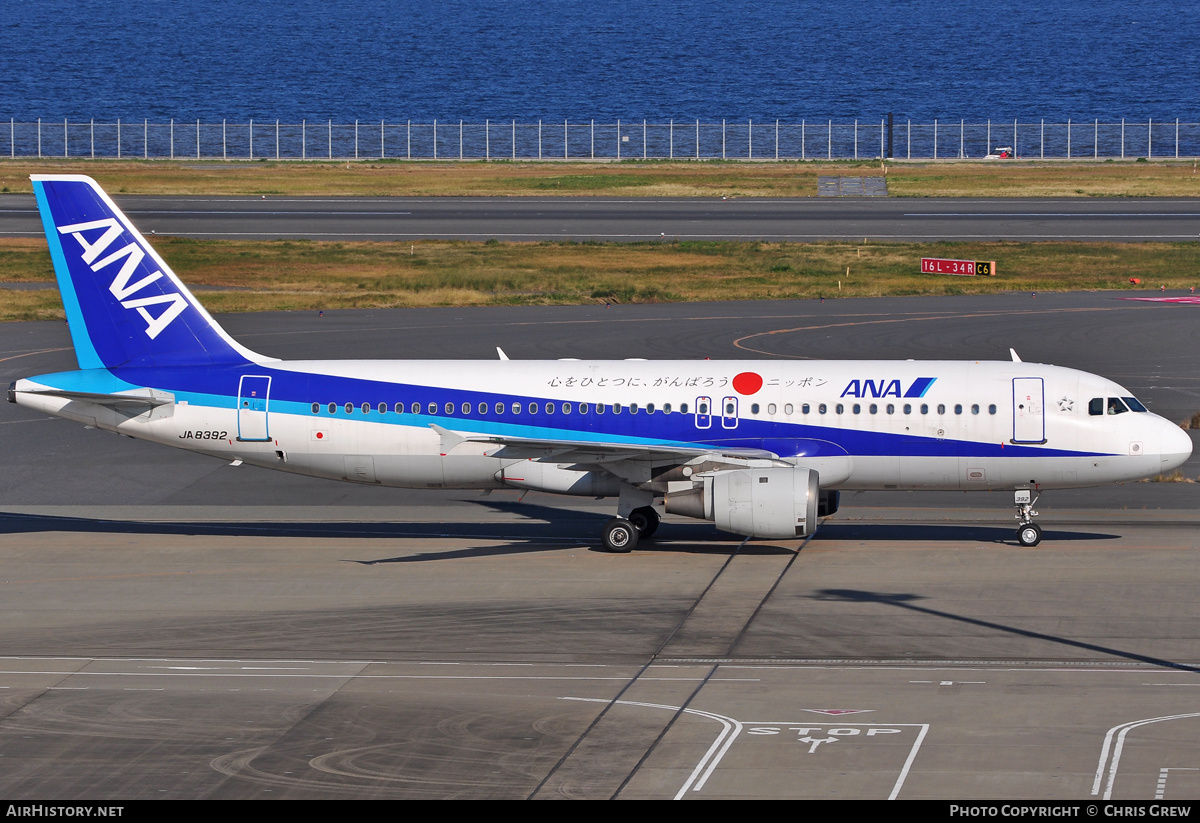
<point x="620" y="535"/>
<point x="1028" y="532"/>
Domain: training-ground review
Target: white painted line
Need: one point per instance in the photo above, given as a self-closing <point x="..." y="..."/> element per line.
<point x="1120" y="731"/>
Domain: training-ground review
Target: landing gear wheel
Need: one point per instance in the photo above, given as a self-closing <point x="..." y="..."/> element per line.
<point x="1029" y="535"/>
<point x="645" y="520"/>
<point x="619" y="536"/>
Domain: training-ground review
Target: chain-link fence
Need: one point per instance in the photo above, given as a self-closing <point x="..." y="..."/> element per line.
<point x="573" y="140"/>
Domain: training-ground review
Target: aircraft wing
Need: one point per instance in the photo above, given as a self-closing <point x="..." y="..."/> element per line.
<point x="591" y="452"/>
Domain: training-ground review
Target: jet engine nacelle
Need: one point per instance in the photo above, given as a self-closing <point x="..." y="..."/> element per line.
<point x="768" y="502"/>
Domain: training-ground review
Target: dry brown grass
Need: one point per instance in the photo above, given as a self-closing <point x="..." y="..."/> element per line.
<point x="256" y="275"/>
<point x="624" y="179"/>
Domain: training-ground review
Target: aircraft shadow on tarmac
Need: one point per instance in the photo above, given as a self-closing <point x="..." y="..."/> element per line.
<point x="909" y="602"/>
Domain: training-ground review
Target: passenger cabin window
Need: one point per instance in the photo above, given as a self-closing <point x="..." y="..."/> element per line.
<point x="683" y="407"/>
<point x="365" y="407"/>
<point x="382" y="408"/>
<point x="583" y="408"/>
<point x="754" y="408"/>
<point x="316" y="408"/>
<point x="399" y="408"/>
<point x="349" y="408"/>
<point x="482" y="408"/>
<point x="333" y="408"/>
<point x="499" y="408"/>
<point x="432" y="407"/>
<point x="992" y="409"/>
<point x="416" y="407"/>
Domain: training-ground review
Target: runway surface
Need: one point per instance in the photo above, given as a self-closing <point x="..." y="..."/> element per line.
<point x="176" y="627"/>
<point x="633" y="219"/>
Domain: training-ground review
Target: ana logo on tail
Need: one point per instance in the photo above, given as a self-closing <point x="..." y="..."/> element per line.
<point x="120" y="287"/>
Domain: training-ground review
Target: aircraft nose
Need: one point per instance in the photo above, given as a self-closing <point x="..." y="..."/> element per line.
<point x="1176" y="447"/>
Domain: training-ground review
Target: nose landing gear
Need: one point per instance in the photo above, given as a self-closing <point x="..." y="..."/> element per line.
<point x="1028" y="532"/>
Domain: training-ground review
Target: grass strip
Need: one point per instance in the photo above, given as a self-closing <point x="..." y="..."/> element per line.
<point x="292" y="275"/>
<point x="631" y="178"/>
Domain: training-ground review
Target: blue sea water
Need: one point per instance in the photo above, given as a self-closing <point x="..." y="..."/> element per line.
<point x="476" y="59"/>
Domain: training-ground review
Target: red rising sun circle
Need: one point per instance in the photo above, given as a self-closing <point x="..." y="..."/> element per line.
<point x="747" y="383"/>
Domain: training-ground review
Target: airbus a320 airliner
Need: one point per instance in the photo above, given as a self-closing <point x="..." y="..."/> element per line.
<point x="761" y="449"/>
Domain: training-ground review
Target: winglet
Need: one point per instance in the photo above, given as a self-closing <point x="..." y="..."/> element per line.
<point x="449" y="439"/>
<point x="1015" y="357"/>
<point x="500" y="352"/>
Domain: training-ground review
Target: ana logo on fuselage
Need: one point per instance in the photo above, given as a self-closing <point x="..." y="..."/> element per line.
<point x="120" y="287"/>
<point x="887" y="388"/>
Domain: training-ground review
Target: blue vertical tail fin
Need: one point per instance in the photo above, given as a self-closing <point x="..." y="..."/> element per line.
<point x="124" y="305"/>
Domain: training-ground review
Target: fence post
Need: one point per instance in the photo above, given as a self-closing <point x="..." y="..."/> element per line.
<point x="39" y="137"/>
<point x="1042" y="148"/>
<point x="382" y="143"/>
<point x="935" y="138"/>
<point x="514" y="139"/>
<point x="643" y="138"/>
<point x="989" y="140"/>
<point x="408" y="139"/>
<point x="224" y="143"/>
<point x="146" y="137"/>
<point x="276" y="138"/>
<point x="304" y="139"/>
<point x="460" y="147"/>
<point x="750" y="138"/>
<point x="197" y="138"/>
<point x="1096" y="141"/>
<point x="1176" y="138"/>
<point x="565" y="142"/>
<point x="356" y="138"/>
<point x="64" y="137"/>
<point x="908" y="134"/>
<point x="802" y="139"/>
<point x="251" y="138"/>
<point x="671" y="139"/>
<point x="830" y="148"/>
<point x="593" y="138"/>
<point x="1068" y="138"/>
<point x="1014" y="137"/>
<point x="329" y="139"/>
<point x="539" y="138"/>
<point x="618" y="138"/>
<point x="1149" y="137"/>
<point x="962" y="139"/>
<point x="697" y="138"/>
<point x="172" y="138"/>
<point x="487" y="139"/>
<point x="855" y="138"/>
<point x="118" y="138"/>
<point x="94" y="138"/>
<point x="722" y="138"/>
<point x="884" y="153"/>
<point x="777" y="138"/>
<point x="435" y="138"/>
<point x="1122" y="138"/>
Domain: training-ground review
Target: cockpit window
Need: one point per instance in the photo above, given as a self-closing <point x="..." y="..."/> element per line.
<point x="1115" y="406"/>
<point x="1096" y="406"/>
<point x="1134" y="404"/>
